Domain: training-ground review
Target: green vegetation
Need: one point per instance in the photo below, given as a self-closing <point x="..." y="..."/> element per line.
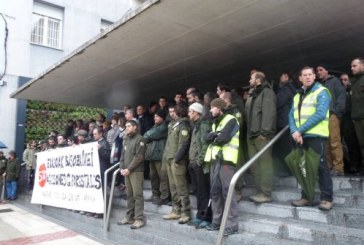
<point x="42" y="117"/>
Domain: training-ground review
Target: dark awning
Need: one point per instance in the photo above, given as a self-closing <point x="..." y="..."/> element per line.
<point x="169" y="45"/>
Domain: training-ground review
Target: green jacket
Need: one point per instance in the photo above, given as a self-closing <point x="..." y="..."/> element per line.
<point x="132" y="156"/>
<point x="178" y="140"/>
<point x="261" y="112"/>
<point x="198" y="145"/>
<point x="3" y="162"/>
<point x="357" y="97"/>
<point x="156" y="138"/>
<point x="12" y="170"/>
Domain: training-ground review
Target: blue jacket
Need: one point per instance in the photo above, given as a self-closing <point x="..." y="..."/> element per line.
<point x="323" y="105"/>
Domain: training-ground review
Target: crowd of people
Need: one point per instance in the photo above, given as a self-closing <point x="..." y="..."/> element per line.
<point x="195" y="143"/>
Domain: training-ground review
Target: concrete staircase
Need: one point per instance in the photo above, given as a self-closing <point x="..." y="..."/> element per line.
<point x="271" y="223"/>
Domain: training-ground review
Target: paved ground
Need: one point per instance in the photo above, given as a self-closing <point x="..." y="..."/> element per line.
<point x="19" y="227"/>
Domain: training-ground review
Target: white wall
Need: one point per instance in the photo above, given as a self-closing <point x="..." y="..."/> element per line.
<point x="8" y="112"/>
<point x="81" y="22"/>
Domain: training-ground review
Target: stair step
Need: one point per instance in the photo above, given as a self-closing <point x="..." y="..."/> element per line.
<point x="339" y="183"/>
<point x="351" y="198"/>
<point x="210" y="237"/>
<point x="340" y="216"/>
<point x="301" y="230"/>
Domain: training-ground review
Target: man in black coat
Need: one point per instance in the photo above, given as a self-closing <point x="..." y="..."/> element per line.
<point x="104" y="156"/>
<point x="283" y="147"/>
<point x="337" y="90"/>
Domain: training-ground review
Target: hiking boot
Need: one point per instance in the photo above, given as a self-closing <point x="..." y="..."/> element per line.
<point x="239" y="196"/>
<point x="260" y="198"/>
<point x="137" y="224"/>
<point x="202" y="225"/>
<point x="98" y="216"/>
<point x="213" y="227"/>
<point x="165" y="201"/>
<point x="157" y="201"/>
<point x="194" y="222"/>
<point x="171" y="216"/>
<point x="325" y="205"/>
<point x="301" y="203"/>
<point x="184" y="219"/>
<point x="230" y="231"/>
<point x="125" y="221"/>
<point x="336" y="173"/>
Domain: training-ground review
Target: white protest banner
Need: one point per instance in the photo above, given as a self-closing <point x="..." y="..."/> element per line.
<point x="69" y="178"/>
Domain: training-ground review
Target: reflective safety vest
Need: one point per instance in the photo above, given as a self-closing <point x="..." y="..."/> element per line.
<point x="229" y="150"/>
<point x="308" y="108"/>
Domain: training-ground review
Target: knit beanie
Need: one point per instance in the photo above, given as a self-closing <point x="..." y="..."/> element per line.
<point x="197" y="107"/>
<point x="324" y="65"/>
<point x="161" y="113"/>
<point x="219" y="103"/>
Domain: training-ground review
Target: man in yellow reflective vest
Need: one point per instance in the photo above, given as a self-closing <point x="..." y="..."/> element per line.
<point x="309" y="126"/>
<point x="222" y="153"/>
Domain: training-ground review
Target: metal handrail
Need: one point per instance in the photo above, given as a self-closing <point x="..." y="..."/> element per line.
<point x="105" y="190"/>
<point x="106" y="224"/>
<point x="235" y="178"/>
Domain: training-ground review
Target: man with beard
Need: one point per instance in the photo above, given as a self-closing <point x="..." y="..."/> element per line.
<point x="175" y="155"/>
<point x="132" y="168"/>
<point x="222" y="153"/>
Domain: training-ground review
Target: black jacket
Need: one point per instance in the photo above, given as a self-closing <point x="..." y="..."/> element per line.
<point x="145" y="122"/>
<point x="284" y="96"/>
<point x="357" y="97"/>
<point x="104" y="155"/>
<point x="338" y="95"/>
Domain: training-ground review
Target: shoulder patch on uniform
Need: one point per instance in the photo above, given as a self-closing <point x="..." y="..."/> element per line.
<point x="142" y="143"/>
<point x="184" y="132"/>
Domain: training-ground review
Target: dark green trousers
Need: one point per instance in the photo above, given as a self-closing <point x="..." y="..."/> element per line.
<point x="262" y="170"/>
<point x="134" y="192"/>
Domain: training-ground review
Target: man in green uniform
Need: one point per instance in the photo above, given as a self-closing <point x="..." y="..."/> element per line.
<point x="132" y="168"/>
<point x="198" y="168"/>
<point x="156" y="138"/>
<point x="175" y="155"/>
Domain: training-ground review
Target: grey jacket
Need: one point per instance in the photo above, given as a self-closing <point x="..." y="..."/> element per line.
<point x="29" y="158"/>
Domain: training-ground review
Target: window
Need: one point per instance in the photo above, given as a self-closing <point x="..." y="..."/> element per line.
<point x="47" y="25"/>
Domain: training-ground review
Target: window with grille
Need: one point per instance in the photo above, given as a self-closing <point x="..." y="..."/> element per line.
<point x="46" y="29"/>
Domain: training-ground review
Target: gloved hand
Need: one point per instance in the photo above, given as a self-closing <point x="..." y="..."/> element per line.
<point x="210" y="137"/>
